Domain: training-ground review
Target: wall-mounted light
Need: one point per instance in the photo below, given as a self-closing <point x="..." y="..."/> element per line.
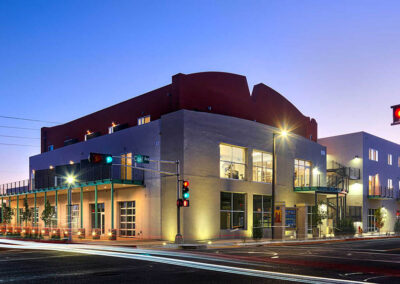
<point x="71" y="162"/>
<point x="51" y="167"/>
<point x="315" y="170"/>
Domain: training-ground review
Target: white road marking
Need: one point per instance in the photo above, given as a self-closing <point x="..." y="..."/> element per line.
<point x="184" y="263"/>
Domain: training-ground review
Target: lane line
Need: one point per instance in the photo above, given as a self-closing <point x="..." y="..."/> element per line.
<point x="197" y="265"/>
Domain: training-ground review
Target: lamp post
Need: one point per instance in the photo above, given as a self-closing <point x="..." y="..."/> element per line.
<point x="283" y="133"/>
<point x="70" y="181"/>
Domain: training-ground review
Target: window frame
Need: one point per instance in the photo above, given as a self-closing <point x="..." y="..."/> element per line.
<point x="231" y="162"/>
<point x="390" y="159"/>
<point x="264" y="170"/>
<point x="231" y="211"/>
<point x="265" y="224"/>
<point x="373" y="154"/>
<point x="143" y="120"/>
<point x="297" y="181"/>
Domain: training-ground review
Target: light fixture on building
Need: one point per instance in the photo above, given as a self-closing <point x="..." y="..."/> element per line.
<point x="71" y="179"/>
<point x="51" y="167"/>
<point x="315" y="170"/>
<point x="71" y="162"/>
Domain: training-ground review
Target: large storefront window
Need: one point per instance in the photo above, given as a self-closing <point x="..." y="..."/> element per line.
<point x="262" y="208"/>
<point x="302" y="173"/>
<point x="372" y="221"/>
<point x="127" y="219"/>
<point x="233" y="206"/>
<point x="100" y="216"/>
<point x="74" y="216"/>
<point x="262" y="166"/>
<point x="310" y="225"/>
<point x="53" y="220"/>
<point x="232" y="162"/>
<point x="35" y="216"/>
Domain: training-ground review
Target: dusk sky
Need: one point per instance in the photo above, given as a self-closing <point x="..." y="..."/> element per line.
<point x="337" y="61"/>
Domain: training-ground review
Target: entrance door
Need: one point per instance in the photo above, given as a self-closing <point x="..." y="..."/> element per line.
<point x="100" y="216"/>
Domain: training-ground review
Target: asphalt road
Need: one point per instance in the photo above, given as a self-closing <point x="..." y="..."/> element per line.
<point x="376" y="261"/>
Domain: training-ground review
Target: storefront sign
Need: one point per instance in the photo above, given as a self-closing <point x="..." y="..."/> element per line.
<point x="290" y="218"/>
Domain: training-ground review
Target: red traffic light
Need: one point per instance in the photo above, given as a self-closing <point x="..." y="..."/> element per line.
<point x="185" y="183"/>
<point x="179" y="203"/>
<point x="96" y="158"/>
<point x="185" y="203"/>
<point x="396" y="114"/>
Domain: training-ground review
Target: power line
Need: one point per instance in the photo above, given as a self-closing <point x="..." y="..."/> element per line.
<point x="21" y="137"/>
<point x="29" y="119"/>
<point x="16" y="127"/>
<point x="24" y="145"/>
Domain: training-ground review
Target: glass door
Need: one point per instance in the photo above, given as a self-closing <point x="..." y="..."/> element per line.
<point x="100" y="216"/>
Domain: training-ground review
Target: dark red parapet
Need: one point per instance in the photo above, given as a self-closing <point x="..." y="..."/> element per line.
<point x="213" y="92"/>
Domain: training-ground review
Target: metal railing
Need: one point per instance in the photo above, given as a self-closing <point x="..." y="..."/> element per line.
<point x="15" y="187"/>
<point x="381" y="192"/>
<point x="48" y="179"/>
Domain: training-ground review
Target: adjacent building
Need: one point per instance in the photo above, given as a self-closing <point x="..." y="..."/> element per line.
<point x="379" y="183"/>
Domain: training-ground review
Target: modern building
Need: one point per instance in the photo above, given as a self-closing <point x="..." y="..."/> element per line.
<point x="226" y="140"/>
<point x="379" y="183"/>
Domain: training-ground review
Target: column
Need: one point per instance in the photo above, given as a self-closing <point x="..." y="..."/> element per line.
<point x="112" y="206"/>
<point x="81" y="208"/>
<point x="96" y="221"/>
<point x="34" y="213"/>
<point x="18" y="224"/>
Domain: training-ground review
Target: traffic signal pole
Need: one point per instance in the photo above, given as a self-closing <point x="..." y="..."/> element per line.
<point x="178" y="237"/>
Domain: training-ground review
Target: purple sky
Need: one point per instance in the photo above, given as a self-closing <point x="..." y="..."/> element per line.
<point x="337" y="61"/>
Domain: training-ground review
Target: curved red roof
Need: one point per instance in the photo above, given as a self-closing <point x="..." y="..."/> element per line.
<point x="214" y="92"/>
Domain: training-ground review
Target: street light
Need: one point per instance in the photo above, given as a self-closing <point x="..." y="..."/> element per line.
<point x="283" y="133"/>
<point x="71" y="179"/>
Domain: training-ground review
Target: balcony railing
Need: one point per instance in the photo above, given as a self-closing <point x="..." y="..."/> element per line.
<point x="49" y="178"/>
<point x="380" y="192"/>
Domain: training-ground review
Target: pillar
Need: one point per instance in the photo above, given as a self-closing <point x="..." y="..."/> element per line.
<point x="81" y="206"/>
<point x="112" y="206"/>
<point x="96" y="221"/>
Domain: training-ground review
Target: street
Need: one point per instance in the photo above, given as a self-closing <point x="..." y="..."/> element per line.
<point x="374" y="261"/>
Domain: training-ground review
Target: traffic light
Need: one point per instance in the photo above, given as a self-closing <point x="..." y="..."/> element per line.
<point x="185" y="190"/>
<point x="396" y="114"/>
<point x="97" y="158"/>
<point x="185" y="203"/>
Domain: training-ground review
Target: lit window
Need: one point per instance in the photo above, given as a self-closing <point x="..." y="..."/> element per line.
<point x="112" y="127"/>
<point x="232" y="162"/>
<point x="390" y="159"/>
<point x="126" y="166"/>
<point x="398" y="161"/>
<point x="373" y="185"/>
<point x="50" y="148"/>
<point x="233" y="206"/>
<point x="143" y="120"/>
<point x="390" y="184"/>
<point x="262" y="166"/>
<point x="373" y="155"/>
<point x="302" y="173"/>
<point x="127" y="215"/>
<point x="262" y="211"/>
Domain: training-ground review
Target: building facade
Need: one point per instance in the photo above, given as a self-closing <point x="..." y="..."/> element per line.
<point x="226" y="141"/>
<point x="379" y="183"/>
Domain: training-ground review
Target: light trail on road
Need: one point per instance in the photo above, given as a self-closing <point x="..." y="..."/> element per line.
<point x="145" y="255"/>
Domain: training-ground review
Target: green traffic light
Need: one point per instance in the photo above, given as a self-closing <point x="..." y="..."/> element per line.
<point x="186" y="195"/>
<point x="109" y="159"/>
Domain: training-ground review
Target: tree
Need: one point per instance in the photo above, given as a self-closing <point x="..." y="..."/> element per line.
<point x="27" y="213"/>
<point x="379" y="219"/>
<point x="47" y="213"/>
<point x="345" y="227"/>
<point x="318" y="215"/>
<point x="7" y="214"/>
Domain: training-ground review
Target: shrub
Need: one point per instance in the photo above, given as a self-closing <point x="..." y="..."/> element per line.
<point x="257" y="233"/>
<point x="397" y="227"/>
<point x="345" y="227"/>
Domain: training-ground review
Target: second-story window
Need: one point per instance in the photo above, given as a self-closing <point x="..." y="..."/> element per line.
<point x="143" y="120"/>
<point x="390" y="159"/>
<point x="302" y="173"/>
<point x="232" y="162"/>
<point x="262" y="166"/>
<point x="373" y="155"/>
